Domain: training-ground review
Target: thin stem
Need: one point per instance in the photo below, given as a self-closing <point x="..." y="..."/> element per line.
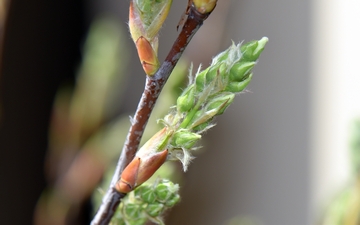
<point x="153" y="87"/>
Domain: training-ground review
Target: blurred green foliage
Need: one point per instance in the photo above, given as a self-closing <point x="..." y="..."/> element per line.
<point x="345" y="208"/>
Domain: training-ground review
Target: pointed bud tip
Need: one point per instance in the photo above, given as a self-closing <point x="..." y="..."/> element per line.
<point x="264" y="40"/>
<point x="252" y="50"/>
<point x="261" y="43"/>
<point x="150" y="165"/>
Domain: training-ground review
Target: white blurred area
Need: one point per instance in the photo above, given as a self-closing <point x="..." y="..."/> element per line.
<point x="335" y="85"/>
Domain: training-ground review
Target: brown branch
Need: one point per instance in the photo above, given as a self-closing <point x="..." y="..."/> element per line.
<point x="153" y="87"/>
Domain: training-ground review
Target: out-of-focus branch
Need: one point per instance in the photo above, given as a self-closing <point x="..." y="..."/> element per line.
<point x="4" y="7"/>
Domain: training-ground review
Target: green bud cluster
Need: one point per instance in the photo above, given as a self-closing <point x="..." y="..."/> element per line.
<point x="147" y="202"/>
<point x="209" y="94"/>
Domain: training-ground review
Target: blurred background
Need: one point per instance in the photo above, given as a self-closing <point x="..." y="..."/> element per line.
<point x="281" y="152"/>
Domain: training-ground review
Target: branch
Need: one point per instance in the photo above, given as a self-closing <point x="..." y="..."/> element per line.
<point x="153" y="87"/>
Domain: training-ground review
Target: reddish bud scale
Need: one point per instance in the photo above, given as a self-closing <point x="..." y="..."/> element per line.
<point x="147" y="55"/>
<point x="140" y="170"/>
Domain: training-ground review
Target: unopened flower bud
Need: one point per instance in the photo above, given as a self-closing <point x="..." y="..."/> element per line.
<point x="186" y="100"/>
<point x="238" y="86"/>
<point x="147" y="193"/>
<point x="206" y="116"/>
<point x="165" y="190"/>
<point x="132" y="210"/>
<point x="185" y="139"/>
<point x="154" y="209"/>
<point x="252" y="50"/>
<point x="202" y="126"/>
<point x="221" y="102"/>
<point x="241" y="70"/>
<point x="215" y="72"/>
<point x="173" y="200"/>
<point x="200" y="80"/>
